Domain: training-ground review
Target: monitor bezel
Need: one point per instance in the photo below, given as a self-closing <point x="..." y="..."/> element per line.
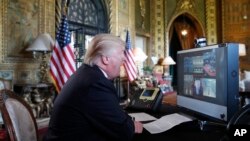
<point x="214" y="109"/>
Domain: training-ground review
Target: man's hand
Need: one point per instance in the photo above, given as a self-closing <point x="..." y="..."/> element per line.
<point x="138" y="127"/>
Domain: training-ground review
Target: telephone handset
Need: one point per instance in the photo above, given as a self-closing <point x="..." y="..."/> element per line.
<point x="148" y="99"/>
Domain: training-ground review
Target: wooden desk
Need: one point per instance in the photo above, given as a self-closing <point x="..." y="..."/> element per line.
<point x="182" y="132"/>
<point x="169" y="98"/>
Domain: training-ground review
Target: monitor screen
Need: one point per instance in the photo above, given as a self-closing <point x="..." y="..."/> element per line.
<point x="203" y="80"/>
<point x="199" y="75"/>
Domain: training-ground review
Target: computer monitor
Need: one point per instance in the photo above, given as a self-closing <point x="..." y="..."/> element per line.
<point x="208" y="80"/>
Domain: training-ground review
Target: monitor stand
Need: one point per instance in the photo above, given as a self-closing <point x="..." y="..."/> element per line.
<point x="209" y="125"/>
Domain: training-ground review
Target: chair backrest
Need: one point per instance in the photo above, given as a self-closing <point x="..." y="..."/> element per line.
<point x="241" y="117"/>
<point x="18" y="118"/>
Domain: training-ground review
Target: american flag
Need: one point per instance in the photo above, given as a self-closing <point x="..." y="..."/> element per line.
<point x="129" y="64"/>
<point x="62" y="62"/>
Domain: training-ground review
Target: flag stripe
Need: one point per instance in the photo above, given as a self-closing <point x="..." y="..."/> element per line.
<point x="129" y="64"/>
<point x="69" y="58"/>
<point x="55" y="81"/>
<point x="59" y="60"/>
<point x="55" y="68"/>
<point x="62" y="62"/>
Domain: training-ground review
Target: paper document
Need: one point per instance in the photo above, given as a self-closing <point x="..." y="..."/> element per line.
<point x="142" y="116"/>
<point x="165" y="123"/>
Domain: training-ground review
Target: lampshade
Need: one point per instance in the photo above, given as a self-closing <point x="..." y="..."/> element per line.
<point x="139" y="55"/>
<point x="42" y="43"/>
<point x="242" y="50"/>
<point x="168" y="61"/>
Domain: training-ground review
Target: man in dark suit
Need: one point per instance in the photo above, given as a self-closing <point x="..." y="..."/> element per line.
<point x="87" y="108"/>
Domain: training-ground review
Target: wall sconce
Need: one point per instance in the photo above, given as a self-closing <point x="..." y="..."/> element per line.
<point x="184" y="32"/>
<point x="42" y="45"/>
<point x="242" y="50"/>
<point x="184" y="26"/>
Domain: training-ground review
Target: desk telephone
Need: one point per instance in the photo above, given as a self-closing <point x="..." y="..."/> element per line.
<point x="148" y="99"/>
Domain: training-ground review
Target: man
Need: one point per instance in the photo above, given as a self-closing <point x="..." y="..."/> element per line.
<point x="88" y="108"/>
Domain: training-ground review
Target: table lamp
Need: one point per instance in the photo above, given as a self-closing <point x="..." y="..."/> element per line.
<point x="42" y="45"/>
<point x="139" y="57"/>
<point x="166" y="62"/>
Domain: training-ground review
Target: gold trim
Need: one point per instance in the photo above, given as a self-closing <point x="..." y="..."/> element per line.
<point x="190" y="8"/>
<point x="211" y="28"/>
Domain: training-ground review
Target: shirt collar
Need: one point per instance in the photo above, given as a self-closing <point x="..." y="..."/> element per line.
<point x="105" y="74"/>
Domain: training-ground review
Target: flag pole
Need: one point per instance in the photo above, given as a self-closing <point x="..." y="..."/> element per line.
<point x="62" y="61"/>
<point x="65" y="7"/>
<point x="58" y="13"/>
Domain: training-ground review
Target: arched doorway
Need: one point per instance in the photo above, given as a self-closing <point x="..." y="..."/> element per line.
<point x="182" y="33"/>
<point x="86" y="18"/>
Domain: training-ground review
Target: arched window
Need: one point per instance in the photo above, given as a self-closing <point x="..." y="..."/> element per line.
<point x="86" y="18"/>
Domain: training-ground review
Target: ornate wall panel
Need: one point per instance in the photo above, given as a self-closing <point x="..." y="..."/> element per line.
<point x="211" y="27"/>
<point x="142" y="16"/>
<point x="113" y="16"/>
<point x="159" y="28"/>
<point x="125" y="19"/>
<point x="236" y="26"/>
<point x="20" y="22"/>
<point x="192" y="7"/>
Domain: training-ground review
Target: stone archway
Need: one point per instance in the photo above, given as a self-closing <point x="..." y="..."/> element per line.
<point x="176" y="40"/>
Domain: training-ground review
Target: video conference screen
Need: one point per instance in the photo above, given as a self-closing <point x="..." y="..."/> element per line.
<point x="207" y="80"/>
<point x="199" y="75"/>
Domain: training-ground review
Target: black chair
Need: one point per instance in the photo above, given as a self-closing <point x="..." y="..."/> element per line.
<point x="241" y="118"/>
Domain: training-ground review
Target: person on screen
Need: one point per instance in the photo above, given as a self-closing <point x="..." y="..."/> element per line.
<point x="87" y="108"/>
<point x="197" y="87"/>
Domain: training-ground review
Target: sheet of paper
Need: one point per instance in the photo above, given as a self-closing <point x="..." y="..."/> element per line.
<point x="165" y="123"/>
<point x="142" y="116"/>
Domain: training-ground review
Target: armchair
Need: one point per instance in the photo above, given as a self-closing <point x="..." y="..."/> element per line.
<point x="18" y="118"/>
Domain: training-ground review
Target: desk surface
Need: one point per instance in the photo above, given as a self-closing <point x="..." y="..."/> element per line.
<point x="185" y="131"/>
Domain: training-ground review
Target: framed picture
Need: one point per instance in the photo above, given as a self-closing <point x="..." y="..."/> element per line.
<point x="6" y="74"/>
<point x="165" y="88"/>
<point x="24" y="76"/>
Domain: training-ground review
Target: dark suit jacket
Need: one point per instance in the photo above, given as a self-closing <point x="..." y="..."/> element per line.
<point x="87" y="109"/>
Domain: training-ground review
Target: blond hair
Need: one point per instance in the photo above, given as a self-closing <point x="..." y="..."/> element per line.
<point x="102" y="44"/>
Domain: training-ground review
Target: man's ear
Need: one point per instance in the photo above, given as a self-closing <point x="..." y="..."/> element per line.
<point x="105" y="60"/>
